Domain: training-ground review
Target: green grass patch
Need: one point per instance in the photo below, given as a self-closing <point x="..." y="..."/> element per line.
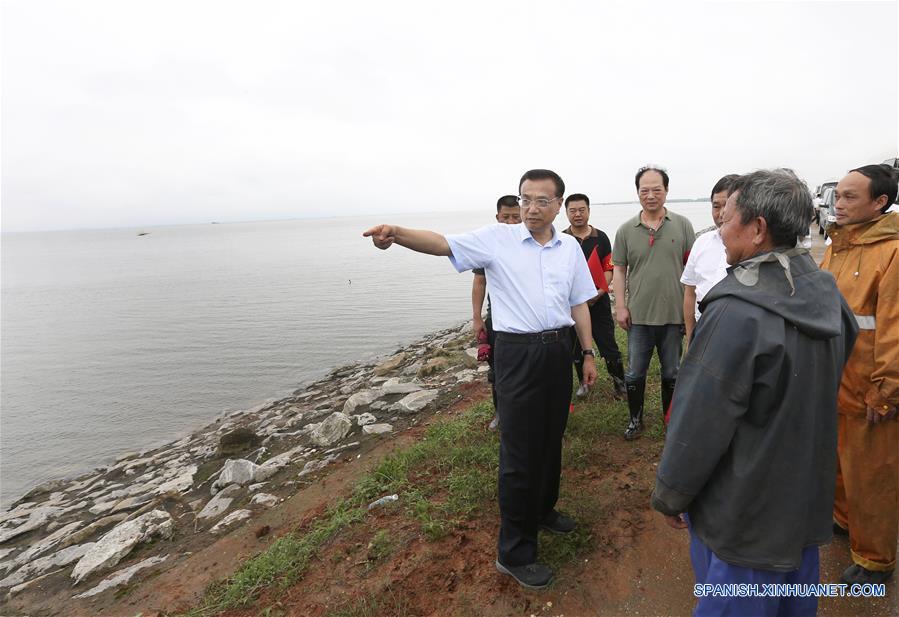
<point x="387" y="602"/>
<point x="380" y="547"/>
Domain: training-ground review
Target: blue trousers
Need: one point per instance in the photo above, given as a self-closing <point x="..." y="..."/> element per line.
<point x="709" y="569"/>
<point x="641" y="340"/>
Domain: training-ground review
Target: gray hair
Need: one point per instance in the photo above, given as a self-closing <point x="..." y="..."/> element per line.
<point x="779" y="197"/>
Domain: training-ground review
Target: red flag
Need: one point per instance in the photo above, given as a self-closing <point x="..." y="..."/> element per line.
<point x="597" y="272"/>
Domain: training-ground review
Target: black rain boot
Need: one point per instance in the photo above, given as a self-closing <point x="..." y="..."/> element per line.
<point x="616" y="372"/>
<point x="667" y="394"/>
<point x="635" y="392"/>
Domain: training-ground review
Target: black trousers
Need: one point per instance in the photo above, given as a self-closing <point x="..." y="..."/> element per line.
<point x="491" y="371"/>
<point x="603" y="333"/>
<point x="533" y="388"/>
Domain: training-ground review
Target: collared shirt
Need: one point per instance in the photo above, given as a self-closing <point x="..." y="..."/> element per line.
<point x="706" y="230"/>
<point x="598" y="253"/>
<point x="655" y="261"/>
<point x="532" y="287"/>
<point x="706" y="265"/>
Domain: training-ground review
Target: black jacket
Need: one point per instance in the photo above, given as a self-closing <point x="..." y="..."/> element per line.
<point x="751" y="448"/>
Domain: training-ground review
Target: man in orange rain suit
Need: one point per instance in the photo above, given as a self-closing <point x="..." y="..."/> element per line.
<point x="864" y="258"/>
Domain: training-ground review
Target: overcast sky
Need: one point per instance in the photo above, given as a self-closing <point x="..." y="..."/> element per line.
<point x="142" y="113"/>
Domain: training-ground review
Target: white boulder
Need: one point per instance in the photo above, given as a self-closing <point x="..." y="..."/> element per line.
<point x="235" y="517"/>
<point x="116" y="544"/>
<point x="218" y="504"/>
<point x="235" y="471"/>
<point x="181" y="483"/>
<point x="131" y="503"/>
<point x="365" y="418"/>
<point x="121" y="578"/>
<point x="265" y="499"/>
<point x="103" y="507"/>
<point x="47" y="544"/>
<point x="377" y="429"/>
<point x="270" y="467"/>
<point x="332" y="429"/>
<point x="313" y="466"/>
<point x="397" y="386"/>
<point x="20" y="511"/>
<point x="360" y="399"/>
<point x="415" y="402"/>
<point x="44" y="564"/>
<point x="37" y="517"/>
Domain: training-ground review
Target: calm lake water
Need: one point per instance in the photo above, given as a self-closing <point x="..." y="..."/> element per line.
<point x="112" y="342"/>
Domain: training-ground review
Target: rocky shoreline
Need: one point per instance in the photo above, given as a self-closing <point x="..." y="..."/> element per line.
<point x="68" y="540"/>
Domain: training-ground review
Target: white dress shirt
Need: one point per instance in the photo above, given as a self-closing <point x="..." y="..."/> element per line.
<point x="532" y="287"/>
<point x="706" y="265"/>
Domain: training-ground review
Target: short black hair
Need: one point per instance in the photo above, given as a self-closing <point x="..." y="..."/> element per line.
<point x="643" y="170"/>
<point x="544" y="174"/>
<point x="577" y="197"/>
<point x="726" y="183"/>
<point x="506" y="201"/>
<point x="779" y="197"/>
<point x="883" y="182"/>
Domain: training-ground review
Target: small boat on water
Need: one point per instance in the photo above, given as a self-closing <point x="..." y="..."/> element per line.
<point x="143" y="233"/>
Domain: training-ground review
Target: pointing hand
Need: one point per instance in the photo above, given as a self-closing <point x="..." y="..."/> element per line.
<point x="381" y="235"/>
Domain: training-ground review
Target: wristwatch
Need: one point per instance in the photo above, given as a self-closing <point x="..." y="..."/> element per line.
<point x="589" y="352"/>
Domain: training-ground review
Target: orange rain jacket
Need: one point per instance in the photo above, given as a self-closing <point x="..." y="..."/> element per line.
<point x="864" y="258"/>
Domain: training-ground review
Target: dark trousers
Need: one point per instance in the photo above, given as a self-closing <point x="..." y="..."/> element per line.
<point x="533" y="388"/>
<point x="603" y="333"/>
<point x="491" y="371"/>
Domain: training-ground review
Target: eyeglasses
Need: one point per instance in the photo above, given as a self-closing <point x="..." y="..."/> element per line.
<point x="540" y="202"/>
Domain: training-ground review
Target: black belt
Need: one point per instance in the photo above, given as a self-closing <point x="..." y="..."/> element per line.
<point x="545" y="337"/>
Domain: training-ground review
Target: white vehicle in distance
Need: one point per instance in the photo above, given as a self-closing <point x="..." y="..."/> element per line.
<point x="826" y="214"/>
<point x="818" y="201"/>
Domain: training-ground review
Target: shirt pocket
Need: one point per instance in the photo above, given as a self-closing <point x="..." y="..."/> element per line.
<point x="557" y="276"/>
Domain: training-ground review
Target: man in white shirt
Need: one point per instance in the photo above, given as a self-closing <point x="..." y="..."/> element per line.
<point x="539" y="285"/>
<point x="706" y="264"/>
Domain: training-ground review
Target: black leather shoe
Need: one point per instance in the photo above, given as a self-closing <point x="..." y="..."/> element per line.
<point x="857" y="574"/>
<point x="839" y="530"/>
<point x="533" y="576"/>
<point x="559" y="524"/>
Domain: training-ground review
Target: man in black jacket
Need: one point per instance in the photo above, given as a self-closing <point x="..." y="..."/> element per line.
<point x="750" y="451"/>
<point x="598" y="253"/>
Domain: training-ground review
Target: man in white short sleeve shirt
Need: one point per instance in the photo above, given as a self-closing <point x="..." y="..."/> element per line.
<point x="707" y="263"/>
<point x="539" y="285"/>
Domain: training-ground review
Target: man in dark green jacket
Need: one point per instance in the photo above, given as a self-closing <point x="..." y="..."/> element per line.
<point x="750" y="451"/>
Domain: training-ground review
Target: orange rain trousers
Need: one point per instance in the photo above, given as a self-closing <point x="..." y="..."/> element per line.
<point x="867" y="495"/>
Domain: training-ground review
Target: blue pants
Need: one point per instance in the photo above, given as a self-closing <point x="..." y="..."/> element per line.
<point x="709" y="569"/>
<point x="641" y="340"/>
